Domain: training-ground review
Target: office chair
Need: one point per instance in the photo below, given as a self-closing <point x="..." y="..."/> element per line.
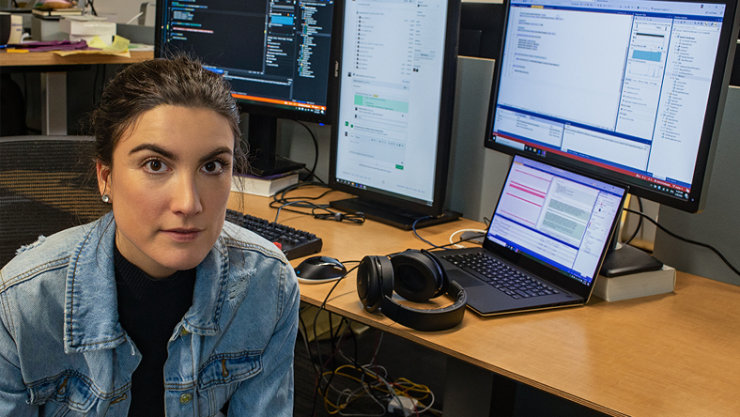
<point x="47" y="184"/>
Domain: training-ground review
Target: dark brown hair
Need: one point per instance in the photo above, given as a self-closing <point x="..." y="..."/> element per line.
<point x="178" y="81"/>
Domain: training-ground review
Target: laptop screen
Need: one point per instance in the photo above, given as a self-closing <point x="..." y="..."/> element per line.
<point x="556" y="217"/>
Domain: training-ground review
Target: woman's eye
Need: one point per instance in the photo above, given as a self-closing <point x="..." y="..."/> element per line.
<point x="213" y="167"/>
<point x="155" y="165"/>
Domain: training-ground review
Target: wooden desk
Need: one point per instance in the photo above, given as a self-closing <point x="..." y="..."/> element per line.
<point x="669" y="355"/>
<point x="54" y="79"/>
<point x="35" y="59"/>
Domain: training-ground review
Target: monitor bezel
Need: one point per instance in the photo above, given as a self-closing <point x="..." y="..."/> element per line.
<point x="710" y="129"/>
<point x="263" y="109"/>
<point x="444" y="130"/>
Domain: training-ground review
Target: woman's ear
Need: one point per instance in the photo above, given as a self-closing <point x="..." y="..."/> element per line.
<point x="103" y="174"/>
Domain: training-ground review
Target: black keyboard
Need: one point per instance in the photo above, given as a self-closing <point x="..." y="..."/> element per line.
<point x="509" y="280"/>
<point x="293" y="242"/>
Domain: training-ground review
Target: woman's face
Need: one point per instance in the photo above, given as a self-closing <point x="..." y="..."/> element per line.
<point x="169" y="184"/>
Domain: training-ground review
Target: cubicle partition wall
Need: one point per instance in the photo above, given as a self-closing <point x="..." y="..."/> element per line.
<point x="719" y="224"/>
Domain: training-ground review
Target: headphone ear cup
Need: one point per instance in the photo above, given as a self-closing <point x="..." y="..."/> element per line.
<point x="440" y="275"/>
<point x="374" y="280"/>
<point x="417" y="276"/>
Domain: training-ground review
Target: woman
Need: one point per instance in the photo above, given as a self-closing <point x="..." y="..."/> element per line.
<point x="159" y="306"/>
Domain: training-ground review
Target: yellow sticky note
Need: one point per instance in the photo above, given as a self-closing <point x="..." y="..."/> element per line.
<point x="120" y="44"/>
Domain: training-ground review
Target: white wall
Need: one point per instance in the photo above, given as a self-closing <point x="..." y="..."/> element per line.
<point x="121" y="11"/>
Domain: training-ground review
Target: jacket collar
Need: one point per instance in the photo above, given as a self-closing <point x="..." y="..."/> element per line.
<point x="91" y="307"/>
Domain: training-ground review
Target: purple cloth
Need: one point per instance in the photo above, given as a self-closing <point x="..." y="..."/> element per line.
<point x="43" y="46"/>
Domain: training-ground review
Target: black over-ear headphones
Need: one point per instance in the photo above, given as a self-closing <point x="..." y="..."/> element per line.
<point x="416" y="276"/>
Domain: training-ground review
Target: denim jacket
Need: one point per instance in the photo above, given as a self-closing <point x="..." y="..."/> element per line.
<point x="64" y="353"/>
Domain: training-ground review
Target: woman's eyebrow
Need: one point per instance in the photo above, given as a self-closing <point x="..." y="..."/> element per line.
<point x="169" y="155"/>
<point x="154" y="148"/>
<point x="215" y="152"/>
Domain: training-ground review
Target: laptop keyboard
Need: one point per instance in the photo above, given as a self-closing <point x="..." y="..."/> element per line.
<point x="510" y="281"/>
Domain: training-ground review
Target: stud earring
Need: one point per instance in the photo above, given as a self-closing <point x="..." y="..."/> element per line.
<point x="105" y="198"/>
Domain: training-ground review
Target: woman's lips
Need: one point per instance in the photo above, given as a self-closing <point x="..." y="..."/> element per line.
<point x="182" y="234"/>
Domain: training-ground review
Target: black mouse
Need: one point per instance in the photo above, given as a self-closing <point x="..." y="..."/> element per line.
<point x="320" y="268"/>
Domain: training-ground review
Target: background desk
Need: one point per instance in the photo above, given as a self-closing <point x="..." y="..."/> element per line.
<point x="671" y="355"/>
<point x="53" y="70"/>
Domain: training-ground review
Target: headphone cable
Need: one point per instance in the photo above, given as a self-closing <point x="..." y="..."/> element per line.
<point x="416" y="233"/>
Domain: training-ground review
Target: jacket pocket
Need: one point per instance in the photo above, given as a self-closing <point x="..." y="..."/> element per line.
<point x="221" y="375"/>
<point x="69" y="390"/>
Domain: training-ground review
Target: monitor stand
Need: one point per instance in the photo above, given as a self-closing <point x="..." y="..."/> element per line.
<point x="262" y="137"/>
<point x="276" y="168"/>
<point x="394" y="216"/>
<point x="623" y="259"/>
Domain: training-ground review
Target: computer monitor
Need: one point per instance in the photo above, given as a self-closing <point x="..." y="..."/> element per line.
<point x="276" y="54"/>
<point x="391" y="139"/>
<point x="628" y="91"/>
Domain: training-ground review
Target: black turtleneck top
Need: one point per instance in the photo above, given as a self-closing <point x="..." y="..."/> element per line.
<point x="149" y="309"/>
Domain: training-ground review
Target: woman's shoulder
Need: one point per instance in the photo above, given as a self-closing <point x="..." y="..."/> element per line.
<point x="46" y="253"/>
<point x="239" y="238"/>
<point x="263" y="258"/>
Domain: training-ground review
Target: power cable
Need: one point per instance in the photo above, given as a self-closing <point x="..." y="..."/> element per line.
<point x="693" y="242"/>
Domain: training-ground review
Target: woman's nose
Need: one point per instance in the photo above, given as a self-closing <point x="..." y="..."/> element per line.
<point x="186" y="199"/>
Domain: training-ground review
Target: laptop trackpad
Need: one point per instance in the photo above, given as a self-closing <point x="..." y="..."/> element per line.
<point x="464" y="279"/>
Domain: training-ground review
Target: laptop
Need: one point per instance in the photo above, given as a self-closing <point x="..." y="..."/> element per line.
<point x="548" y="237"/>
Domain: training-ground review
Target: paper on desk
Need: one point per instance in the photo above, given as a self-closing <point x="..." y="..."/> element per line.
<point x="119" y="47"/>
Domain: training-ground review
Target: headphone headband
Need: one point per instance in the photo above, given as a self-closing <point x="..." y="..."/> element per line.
<point x="428" y="319"/>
